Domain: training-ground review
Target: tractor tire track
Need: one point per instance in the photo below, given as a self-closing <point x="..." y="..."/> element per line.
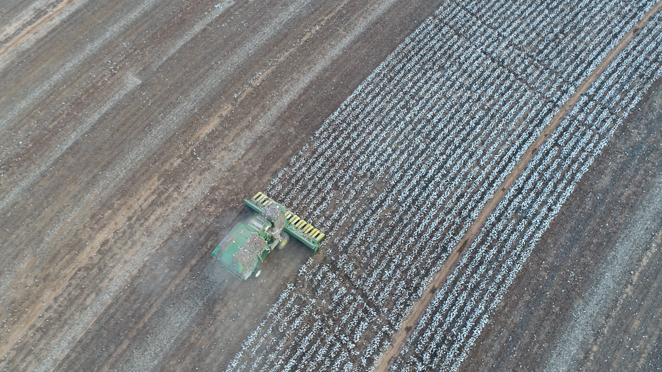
<point x="26" y="29"/>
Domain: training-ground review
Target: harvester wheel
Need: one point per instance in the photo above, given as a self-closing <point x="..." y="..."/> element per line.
<point x="258" y="272"/>
<point x="283" y="243"/>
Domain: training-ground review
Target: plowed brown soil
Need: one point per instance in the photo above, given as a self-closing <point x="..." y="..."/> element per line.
<point x="130" y="132"/>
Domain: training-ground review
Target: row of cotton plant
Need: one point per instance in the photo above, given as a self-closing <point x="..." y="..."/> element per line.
<point x="444" y="346"/>
<point x="407" y="163"/>
<point x="469" y="272"/>
<point x="385" y="83"/>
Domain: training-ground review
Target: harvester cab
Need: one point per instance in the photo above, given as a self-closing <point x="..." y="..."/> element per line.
<point x="250" y="242"/>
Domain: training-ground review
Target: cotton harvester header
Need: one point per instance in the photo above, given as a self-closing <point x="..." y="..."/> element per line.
<point x="249" y="243"/>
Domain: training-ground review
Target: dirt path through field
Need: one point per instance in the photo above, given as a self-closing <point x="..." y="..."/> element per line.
<point x="408" y="325"/>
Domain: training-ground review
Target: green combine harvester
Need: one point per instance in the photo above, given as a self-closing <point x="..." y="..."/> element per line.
<point x="249" y="243"/>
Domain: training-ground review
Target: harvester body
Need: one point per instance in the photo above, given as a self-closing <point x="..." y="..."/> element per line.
<point x="249" y="243"/>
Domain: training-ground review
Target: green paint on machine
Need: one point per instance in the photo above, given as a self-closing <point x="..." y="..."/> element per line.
<point x="250" y="242"/>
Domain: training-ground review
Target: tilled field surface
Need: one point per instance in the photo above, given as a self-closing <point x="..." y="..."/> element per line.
<point x="130" y="132"/>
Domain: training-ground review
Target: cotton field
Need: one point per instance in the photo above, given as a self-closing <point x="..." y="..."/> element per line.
<point x="403" y="168"/>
